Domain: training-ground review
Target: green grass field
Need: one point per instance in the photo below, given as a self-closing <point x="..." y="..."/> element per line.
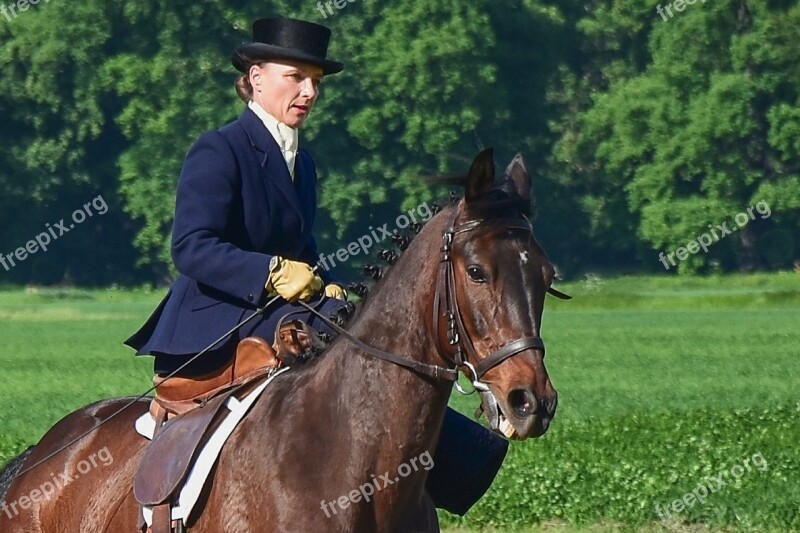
<point x="663" y="383"/>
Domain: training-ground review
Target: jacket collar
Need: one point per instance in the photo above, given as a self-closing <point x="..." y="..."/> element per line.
<point x="278" y="130"/>
<point x="259" y="136"/>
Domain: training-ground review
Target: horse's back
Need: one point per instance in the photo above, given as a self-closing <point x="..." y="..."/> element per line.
<point x="88" y="485"/>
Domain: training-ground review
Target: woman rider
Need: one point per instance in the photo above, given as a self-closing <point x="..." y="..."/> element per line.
<point x="246" y="205"/>
<point x="245" y="208"/>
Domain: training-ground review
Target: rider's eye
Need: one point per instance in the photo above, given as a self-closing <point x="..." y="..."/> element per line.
<point x="476" y="274"/>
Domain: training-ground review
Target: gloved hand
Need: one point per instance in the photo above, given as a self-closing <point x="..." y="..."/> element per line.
<point x="293" y="280"/>
<point x="333" y="290"/>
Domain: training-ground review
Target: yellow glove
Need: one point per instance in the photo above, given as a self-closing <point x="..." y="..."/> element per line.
<point x="335" y="291"/>
<point x="293" y="280"/>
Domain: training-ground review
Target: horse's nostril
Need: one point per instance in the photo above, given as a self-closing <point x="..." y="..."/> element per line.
<point x="550" y="404"/>
<point x="523" y="402"/>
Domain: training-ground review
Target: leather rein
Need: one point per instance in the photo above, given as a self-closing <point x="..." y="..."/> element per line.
<point x="457" y="337"/>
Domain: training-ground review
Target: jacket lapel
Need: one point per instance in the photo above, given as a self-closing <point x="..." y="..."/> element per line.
<point x="306" y="187"/>
<point x="273" y="165"/>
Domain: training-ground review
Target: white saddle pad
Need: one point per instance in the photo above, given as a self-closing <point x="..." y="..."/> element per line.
<point x="190" y="492"/>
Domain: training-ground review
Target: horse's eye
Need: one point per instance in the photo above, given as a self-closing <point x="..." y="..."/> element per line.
<point x="476" y="274"/>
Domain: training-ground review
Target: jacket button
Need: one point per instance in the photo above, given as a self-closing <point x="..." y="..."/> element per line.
<point x="250" y="298"/>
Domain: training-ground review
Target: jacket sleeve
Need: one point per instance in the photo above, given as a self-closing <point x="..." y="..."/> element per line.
<point x="208" y="189"/>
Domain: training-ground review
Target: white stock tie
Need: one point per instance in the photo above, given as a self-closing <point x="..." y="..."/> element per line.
<point x="288" y="144"/>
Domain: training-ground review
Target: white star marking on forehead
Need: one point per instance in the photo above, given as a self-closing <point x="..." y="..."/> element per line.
<point x="524" y="257"/>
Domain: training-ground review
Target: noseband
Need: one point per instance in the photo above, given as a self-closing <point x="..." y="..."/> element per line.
<point x="446" y="299"/>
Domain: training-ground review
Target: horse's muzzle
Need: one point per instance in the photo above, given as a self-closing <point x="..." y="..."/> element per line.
<point x="528" y="415"/>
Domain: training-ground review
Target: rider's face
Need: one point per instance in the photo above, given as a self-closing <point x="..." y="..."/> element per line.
<point x="286" y="90"/>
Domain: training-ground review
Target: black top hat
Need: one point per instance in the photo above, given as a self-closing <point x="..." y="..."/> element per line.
<point x="283" y="38"/>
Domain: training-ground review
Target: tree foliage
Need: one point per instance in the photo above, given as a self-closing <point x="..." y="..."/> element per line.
<point x="698" y="133"/>
<point x="639" y="131"/>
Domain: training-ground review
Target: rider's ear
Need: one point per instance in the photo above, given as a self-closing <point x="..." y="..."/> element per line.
<point x="481" y="176"/>
<point x="518" y="174"/>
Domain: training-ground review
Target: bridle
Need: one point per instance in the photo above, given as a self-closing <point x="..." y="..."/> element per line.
<point x="445" y="299"/>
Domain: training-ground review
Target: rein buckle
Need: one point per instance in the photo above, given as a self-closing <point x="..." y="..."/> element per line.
<point x="477" y="384"/>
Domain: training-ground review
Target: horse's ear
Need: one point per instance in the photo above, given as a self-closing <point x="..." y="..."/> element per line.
<point x="518" y="174"/>
<point x="481" y="176"/>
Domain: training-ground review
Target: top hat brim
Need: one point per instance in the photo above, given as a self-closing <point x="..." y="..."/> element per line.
<point x="244" y="55"/>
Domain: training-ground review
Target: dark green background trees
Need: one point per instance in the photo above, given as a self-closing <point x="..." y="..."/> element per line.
<point x="640" y="132"/>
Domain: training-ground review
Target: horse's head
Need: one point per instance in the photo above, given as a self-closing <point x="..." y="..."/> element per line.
<point x="491" y="287"/>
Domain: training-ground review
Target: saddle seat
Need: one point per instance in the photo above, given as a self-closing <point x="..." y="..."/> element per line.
<point x="254" y="357"/>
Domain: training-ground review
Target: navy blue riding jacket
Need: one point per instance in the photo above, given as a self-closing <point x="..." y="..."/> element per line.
<point x="236" y="207"/>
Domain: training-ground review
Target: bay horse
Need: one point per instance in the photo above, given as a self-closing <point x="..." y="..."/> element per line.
<point x="467" y="294"/>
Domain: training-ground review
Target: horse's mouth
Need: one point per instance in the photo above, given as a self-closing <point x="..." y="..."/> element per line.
<point x="504" y="427"/>
<point x="498" y="421"/>
<point x="513" y="427"/>
<point x="509" y="430"/>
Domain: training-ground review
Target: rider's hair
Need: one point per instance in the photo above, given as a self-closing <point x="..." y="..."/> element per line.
<point x="242" y="85"/>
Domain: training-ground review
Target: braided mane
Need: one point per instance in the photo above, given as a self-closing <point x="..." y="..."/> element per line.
<point x="495" y="204"/>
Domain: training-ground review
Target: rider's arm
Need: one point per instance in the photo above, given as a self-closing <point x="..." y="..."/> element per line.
<point x="208" y="190"/>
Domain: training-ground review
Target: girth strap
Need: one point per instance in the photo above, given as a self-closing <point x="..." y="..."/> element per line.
<point x="162" y="521"/>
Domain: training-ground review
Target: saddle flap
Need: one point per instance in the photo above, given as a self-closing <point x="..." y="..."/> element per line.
<point x="169" y="456"/>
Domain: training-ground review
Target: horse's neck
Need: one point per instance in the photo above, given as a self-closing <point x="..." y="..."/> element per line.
<point x="358" y="415"/>
<point x="391" y="406"/>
